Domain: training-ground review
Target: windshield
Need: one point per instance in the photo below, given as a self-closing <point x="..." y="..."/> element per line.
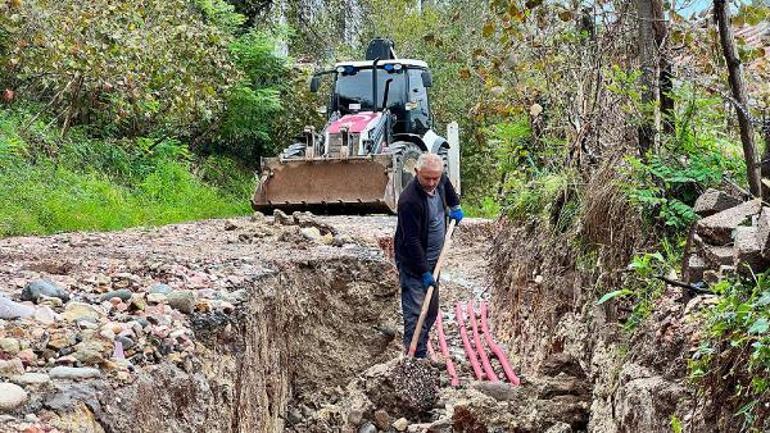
<point x="357" y="89"/>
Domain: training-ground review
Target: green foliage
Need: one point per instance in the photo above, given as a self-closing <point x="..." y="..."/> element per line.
<point x="734" y="354"/>
<point x="642" y="287"/>
<point x="221" y="14"/>
<point x="665" y="184"/>
<point x="676" y="424"/>
<point x="106" y="185"/>
<point x="120" y="67"/>
<point x="488" y="208"/>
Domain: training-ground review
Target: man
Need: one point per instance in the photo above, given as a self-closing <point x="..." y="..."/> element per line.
<point x="422" y="218"/>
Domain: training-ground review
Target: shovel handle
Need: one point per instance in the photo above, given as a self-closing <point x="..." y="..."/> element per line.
<point x="429" y="293"/>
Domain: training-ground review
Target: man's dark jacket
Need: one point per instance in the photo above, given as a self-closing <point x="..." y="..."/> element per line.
<point x="411" y="239"/>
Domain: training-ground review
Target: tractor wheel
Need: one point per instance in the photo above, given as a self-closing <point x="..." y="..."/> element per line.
<point x="443" y="152"/>
<point x="405" y="155"/>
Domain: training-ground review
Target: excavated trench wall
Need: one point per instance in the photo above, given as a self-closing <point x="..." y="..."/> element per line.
<point x="546" y="284"/>
<point x="311" y="326"/>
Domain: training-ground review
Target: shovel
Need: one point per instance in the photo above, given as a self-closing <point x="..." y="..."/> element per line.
<point x="429" y="293"/>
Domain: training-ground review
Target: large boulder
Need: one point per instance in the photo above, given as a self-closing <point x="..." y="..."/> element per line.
<point x="747" y="252"/>
<point x="714" y="201"/>
<point x="718" y="229"/>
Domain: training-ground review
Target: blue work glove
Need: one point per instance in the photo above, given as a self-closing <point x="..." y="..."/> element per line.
<point x="427" y="280"/>
<point x="456" y="214"/>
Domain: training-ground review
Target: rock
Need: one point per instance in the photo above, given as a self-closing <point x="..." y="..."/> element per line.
<point x="713" y="201"/>
<point x="11" y="397"/>
<point x="45" y="315"/>
<point x="89" y="352"/>
<point x="72" y="373"/>
<point x="280" y="218"/>
<point x="11" y="367"/>
<point x="747" y="253"/>
<point x="763" y="231"/>
<point x="182" y="300"/>
<point x="717" y="256"/>
<point x="257" y="217"/>
<point x="561" y="362"/>
<point x="500" y="391"/>
<point x="311" y="234"/>
<point x="367" y="428"/>
<point x="10" y="346"/>
<point x="401" y="424"/>
<point x="161" y="288"/>
<point x="49" y="301"/>
<point x="14" y="310"/>
<point x="37" y="288"/>
<point x="560" y="427"/>
<point x="31" y="379"/>
<point x="405" y="386"/>
<point x="27" y="357"/>
<point x="137" y="302"/>
<point x="341" y="240"/>
<point x="717" y="229"/>
<point x="156" y="298"/>
<point x="76" y="311"/>
<point x="694" y="268"/>
<point x="123" y="294"/>
<point x="381" y="419"/>
<point x="61" y="338"/>
<point x="230" y="226"/>
<point x="355" y="416"/>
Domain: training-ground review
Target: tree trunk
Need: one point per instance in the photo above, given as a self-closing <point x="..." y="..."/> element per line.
<point x="664" y="68"/>
<point x="722" y="16"/>
<point x="647" y="60"/>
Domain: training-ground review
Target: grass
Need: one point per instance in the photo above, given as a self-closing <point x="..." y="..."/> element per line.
<point x="95" y="185"/>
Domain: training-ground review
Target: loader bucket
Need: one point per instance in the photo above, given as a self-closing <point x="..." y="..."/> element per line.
<point x="327" y="185"/>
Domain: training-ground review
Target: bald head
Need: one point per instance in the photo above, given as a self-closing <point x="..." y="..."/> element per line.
<point x="429" y="169"/>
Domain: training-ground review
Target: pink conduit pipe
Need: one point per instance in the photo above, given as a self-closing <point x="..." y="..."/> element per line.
<point x="491" y="375"/>
<point x="467" y="344"/>
<point x="499" y="353"/>
<point x="450" y="366"/>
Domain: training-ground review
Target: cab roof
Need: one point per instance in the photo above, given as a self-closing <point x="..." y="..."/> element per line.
<point x="368" y="63"/>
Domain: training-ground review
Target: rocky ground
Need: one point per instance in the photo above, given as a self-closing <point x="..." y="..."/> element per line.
<point x="252" y="324"/>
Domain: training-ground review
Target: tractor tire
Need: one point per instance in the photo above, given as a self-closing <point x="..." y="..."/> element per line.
<point x="443" y="152"/>
<point x="405" y="155"/>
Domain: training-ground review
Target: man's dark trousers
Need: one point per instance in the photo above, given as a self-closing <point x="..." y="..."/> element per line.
<point x="412" y="296"/>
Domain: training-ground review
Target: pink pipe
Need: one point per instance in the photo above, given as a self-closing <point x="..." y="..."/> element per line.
<point x="467" y="344"/>
<point x="431" y="352"/>
<point x="496" y="349"/>
<point x="450" y="366"/>
<point x="491" y="375"/>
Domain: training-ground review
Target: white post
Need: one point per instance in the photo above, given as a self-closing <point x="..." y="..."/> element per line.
<point x="453" y="137"/>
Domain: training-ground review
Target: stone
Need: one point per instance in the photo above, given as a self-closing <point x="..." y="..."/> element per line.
<point x="31" y="379"/>
<point x="50" y="301"/>
<point x="10" y="346"/>
<point x="73" y="373"/>
<point x="89" y="352"/>
<point x="11" y="397"/>
<point x="560" y="427"/>
<point x="355" y="416"/>
<point x="11" y="367"/>
<point x="311" y="234"/>
<point x="280" y="218"/>
<point x="694" y="268"/>
<point x="714" y="201"/>
<point x="717" y="256"/>
<point x="381" y="419"/>
<point x="747" y="252"/>
<point x="500" y="391"/>
<point x="61" y="338"/>
<point x="156" y="298"/>
<point x="182" y="300"/>
<point x="258" y="217"/>
<point x="42" y="287"/>
<point x="401" y="424"/>
<point x="45" y="315"/>
<point x="14" y="310"/>
<point x="137" y="302"/>
<point x="717" y="229"/>
<point x="161" y="288"/>
<point x="122" y="294"/>
<point x="367" y="427"/>
<point x="763" y="231"/>
<point x="76" y="311"/>
<point x="230" y="226"/>
<point x="27" y="357"/>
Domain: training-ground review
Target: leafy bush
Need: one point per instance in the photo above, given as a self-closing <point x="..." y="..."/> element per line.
<point x="120" y="67"/>
<point x="733" y="359"/>
<point x="666" y="184"/>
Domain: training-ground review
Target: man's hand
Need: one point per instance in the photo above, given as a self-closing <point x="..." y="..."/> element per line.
<point x="456" y="214"/>
<point x="427" y="280"/>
